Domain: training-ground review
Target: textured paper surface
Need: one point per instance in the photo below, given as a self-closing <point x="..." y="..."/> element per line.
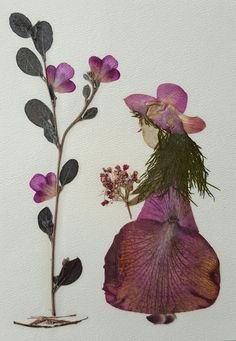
<point x="190" y="43"/>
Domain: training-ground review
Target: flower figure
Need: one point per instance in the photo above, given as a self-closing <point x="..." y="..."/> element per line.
<point x="44" y="186"/>
<point x="104" y="70"/>
<point x="166" y="109"/>
<point x="59" y="78"/>
<point x="160" y="264"/>
<point x="118" y="184"/>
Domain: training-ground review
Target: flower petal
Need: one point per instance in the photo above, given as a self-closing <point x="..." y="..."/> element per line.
<point x="157" y="268"/>
<point x="51" y="179"/>
<point x="95" y="64"/>
<point x="172" y="94"/>
<point x="192" y="124"/>
<point x="166" y="119"/>
<point x="160" y="208"/>
<point x="137" y="102"/>
<point x="110" y="76"/>
<point x="51" y="73"/>
<point x="150" y="134"/>
<point x="110" y="62"/>
<point x="64" y="72"/>
<point x="37" y="181"/>
<point x="40" y="197"/>
<point x="67" y="86"/>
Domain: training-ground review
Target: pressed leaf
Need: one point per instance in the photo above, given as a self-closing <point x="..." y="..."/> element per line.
<point x="20" y="25"/>
<point x="90" y="113"/>
<point x="70" y="272"/>
<point x="38" y="113"/>
<point x="85" y="76"/>
<point x="42" y="37"/>
<point x="86" y="91"/>
<point x="28" y="62"/>
<point x="45" y="221"/>
<point x="50" y="132"/>
<point x="69" y="171"/>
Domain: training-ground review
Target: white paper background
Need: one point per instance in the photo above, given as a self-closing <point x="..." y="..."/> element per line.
<point x="191" y="43"/>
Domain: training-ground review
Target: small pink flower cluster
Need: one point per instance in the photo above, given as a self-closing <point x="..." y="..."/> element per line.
<point x="118" y="183"/>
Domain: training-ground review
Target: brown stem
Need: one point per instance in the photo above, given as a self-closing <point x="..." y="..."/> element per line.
<point x="58" y="191"/>
<point x="62" y="324"/>
<point x="128" y="208"/>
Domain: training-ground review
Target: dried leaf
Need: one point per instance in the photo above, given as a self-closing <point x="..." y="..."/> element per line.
<point x="90" y="113"/>
<point x="86" y="91"/>
<point x="20" y="25"/>
<point x="38" y="113"/>
<point x="69" y="171"/>
<point x="70" y="272"/>
<point x="50" y="132"/>
<point x="45" y="221"/>
<point x="42" y="37"/>
<point x="28" y="62"/>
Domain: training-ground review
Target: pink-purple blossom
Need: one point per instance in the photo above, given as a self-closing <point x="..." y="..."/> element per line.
<point x="104" y="70"/>
<point x="44" y="186"/>
<point x="59" y="78"/>
<point x="160" y="263"/>
<point x="117" y="183"/>
<point x="166" y="109"/>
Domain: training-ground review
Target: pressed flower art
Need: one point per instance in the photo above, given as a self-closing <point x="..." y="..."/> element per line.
<point x="160" y="264"/>
<point x="58" y="80"/>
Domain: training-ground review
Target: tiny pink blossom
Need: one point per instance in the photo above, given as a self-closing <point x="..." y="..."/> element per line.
<point x="166" y="109"/>
<point x="118" y="183"/>
<point x="59" y="78"/>
<point x="104" y="70"/>
<point x="44" y="186"/>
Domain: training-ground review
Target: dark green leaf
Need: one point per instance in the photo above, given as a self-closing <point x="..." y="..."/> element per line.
<point x="69" y="171"/>
<point x="50" y="132"/>
<point x="86" y="91"/>
<point x="45" y="221"/>
<point x="86" y="77"/>
<point x="70" y="272"/>
<point x="90" y="113"/>
<point x="42" y="36"/>
<point x="28" y="62"/>
<point x="38" y="113"/>
<point x="20" y="24"/>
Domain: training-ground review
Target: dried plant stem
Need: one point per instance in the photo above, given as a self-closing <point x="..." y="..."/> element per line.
<point x="49" y="322"/>
<point x="128" y="208"/>
<point x="58" y="191"/>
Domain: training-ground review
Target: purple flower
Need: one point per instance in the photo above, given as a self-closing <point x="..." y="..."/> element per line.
<point x="166" y="109"/>
<point x="160" y="263"/>
<point x="59" y="77"/>
<point x="44" y="186"/>
<point x="104" y="70"/>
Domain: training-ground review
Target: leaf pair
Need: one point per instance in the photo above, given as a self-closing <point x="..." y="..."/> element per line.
<point x="41" y="33"/>
<point x="39" y="114"/>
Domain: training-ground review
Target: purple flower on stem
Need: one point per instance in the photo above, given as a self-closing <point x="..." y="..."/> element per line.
<point x="44" y="186"/>
<point x="59" y="77"/>
<point x="160" y="264"/>
<point x="166" y="109"/>
<point x="104" y="70"/>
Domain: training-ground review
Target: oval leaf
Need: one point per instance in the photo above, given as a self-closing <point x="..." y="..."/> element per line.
<point x="45" y="221"/>
<point x="42" y="37"/>
<point x="86" y="91"/>
<point x="69" y="171"/>
<point x="38" y="113"/>
<point x="70" y="272"/>
<point x="50" y="132"/>
<point x="90" y="113"/>
<point x="28" y="62"/>
<point x="20" y="24"/>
